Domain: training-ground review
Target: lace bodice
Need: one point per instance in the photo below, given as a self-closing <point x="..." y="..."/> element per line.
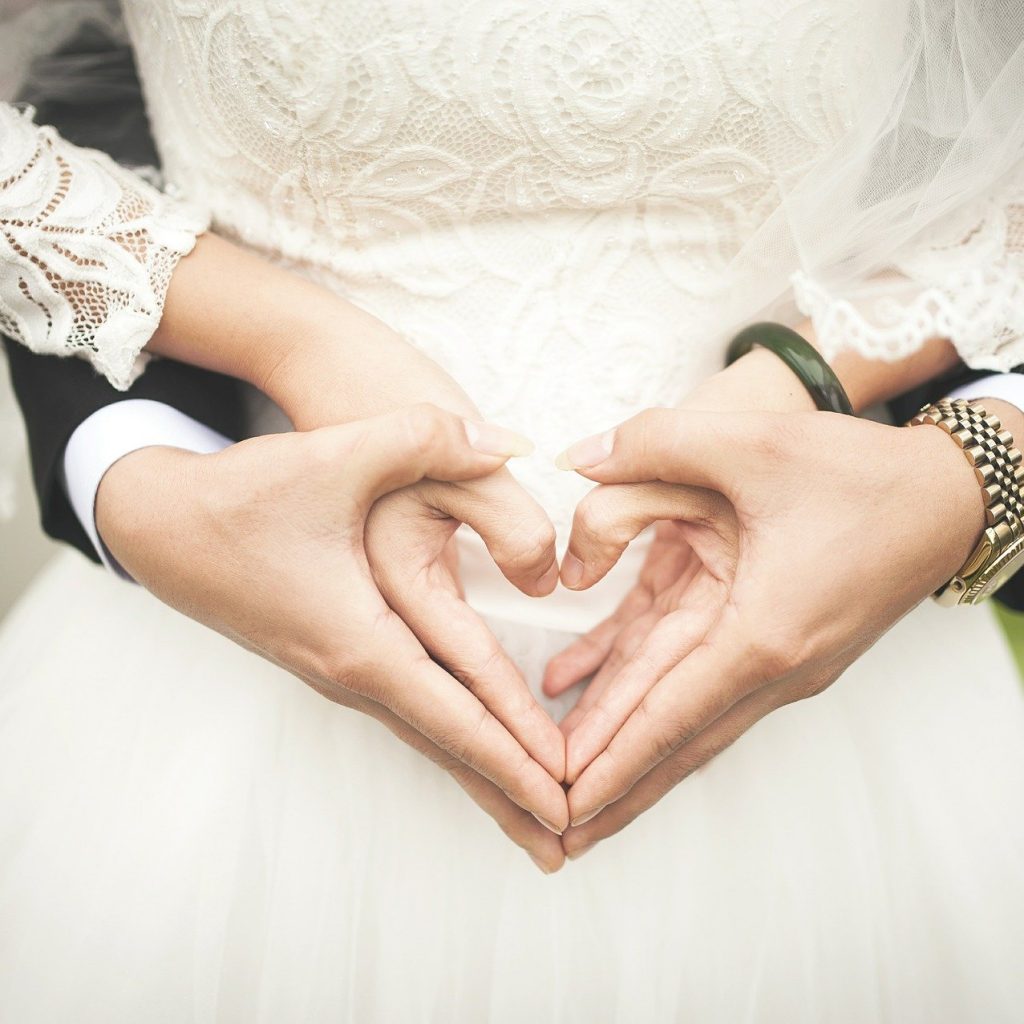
<point x="548" y="198"/>
<point x="544" y="197"/>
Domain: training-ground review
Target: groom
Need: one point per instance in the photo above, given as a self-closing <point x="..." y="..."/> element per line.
<point x="79" y="427"/>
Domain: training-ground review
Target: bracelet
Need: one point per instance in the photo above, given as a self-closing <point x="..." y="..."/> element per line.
<point x="801" y="357"/>
<point x="997" y="463"/>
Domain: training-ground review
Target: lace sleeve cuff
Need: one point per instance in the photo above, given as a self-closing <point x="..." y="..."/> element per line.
<point x="964" y="283"/>
<point x="87" y="249"/>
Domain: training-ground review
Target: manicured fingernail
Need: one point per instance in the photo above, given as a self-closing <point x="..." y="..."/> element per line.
<point x="494" y="440"/>
<point x="589" y="452"/>
<point x="576" y="854"/>
<point x="584" y="818"/>
<point x="548" y="825"/>
<point x="572" y="570"/>
<point x="540" y="864"/>
<point x="547" y="582"/>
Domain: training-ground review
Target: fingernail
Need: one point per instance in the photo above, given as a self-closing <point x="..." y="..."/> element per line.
<point x="494" y="440"/>
<point x="576" y="854"/>
<point x="584" y="818"/>
<point x="540" y="864"/>
<point x="572" y="570"/>
<point x="589" y="452"/>
<point x="548" y="825"/>
<point x="549" y="579"/>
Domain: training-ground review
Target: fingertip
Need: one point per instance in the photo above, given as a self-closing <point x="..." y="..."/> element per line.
<point x="572" y="571"/>
<point x="588" y="453"/>
<point x="497" y="442"/>
<point x="556" y="680"/>
<point x="548" y="580"/>
<point x="548" y="863"/>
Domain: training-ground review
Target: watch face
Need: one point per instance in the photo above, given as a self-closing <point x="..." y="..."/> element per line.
<point x="1006" y="567"/>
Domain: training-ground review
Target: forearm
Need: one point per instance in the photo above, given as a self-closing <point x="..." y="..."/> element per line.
<point x="871" y="381"/>
<point x="318" y="356"/>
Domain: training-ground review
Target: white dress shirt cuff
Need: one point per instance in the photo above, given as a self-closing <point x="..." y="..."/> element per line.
<point x="117" y="430"/>
<point x="1006" y="386"/>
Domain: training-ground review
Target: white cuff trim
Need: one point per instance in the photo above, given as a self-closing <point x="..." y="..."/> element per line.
<point x="117" y="430"/>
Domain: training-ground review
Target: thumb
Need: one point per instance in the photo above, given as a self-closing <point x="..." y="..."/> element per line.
<point x="612" y="515"/>
<point x="516" y="531"/>
<point x="677" y="446"/>
<point x="385" y="453"/>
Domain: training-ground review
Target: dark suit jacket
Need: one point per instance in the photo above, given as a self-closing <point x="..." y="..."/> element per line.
<point x="90" y="92"/>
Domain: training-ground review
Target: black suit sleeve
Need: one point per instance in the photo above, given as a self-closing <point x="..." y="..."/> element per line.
<point x="89" y="91"/>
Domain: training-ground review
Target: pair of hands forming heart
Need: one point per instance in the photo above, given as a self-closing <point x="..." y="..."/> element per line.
<point x="789" y="540"/>
<point x="327" y="551"/>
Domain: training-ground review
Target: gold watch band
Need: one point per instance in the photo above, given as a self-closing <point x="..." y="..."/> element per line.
<point x="997" y="465"/>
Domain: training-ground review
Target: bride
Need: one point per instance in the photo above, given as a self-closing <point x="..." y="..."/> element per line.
<point x="564" y="211"/>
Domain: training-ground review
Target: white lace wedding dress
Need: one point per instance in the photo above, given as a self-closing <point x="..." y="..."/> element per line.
<point x="550" y="199"/>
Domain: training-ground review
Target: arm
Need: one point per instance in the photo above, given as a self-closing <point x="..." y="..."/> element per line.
<point x="59" y="396"/>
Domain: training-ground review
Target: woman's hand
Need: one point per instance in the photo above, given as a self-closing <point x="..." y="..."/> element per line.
<point x="320" y="358"/>
<point x="811" y="534"/>
<point x="264" y="542"/>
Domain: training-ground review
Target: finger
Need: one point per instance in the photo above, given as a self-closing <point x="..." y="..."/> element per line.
<point x="668" y="642"/>
<point x="665" y="776"/>
<point x="384" y="453"/>
<point x="626" y="645"/>
<point x="587" y="654"/>
<point x="400" y="676"/>
<point x="703" y="686"/>
<point x="542" y="845"/>
<point x="611" y="516"/>
<point x="516" y="530"/>
<point x="712" y="450"/>
<point x="458" y="637"/>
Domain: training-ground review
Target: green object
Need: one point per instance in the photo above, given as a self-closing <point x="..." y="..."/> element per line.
<point x="1013" y="625"/>
<point x="801" y="357"/>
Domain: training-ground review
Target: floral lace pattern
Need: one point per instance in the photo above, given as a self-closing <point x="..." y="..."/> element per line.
<point x="544" y="197"/>
<point x="86" y="249"/>
<point x="549" y="199"/>
<point x="963" y="281"/>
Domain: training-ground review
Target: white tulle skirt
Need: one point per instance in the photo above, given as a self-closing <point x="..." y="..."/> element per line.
<point x="189" y="834"/>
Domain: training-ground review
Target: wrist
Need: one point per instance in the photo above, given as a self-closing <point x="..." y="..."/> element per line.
<point x="134" y="499"/>
<point x="944" y="486"/>
<point x="756" y="382"/>
<point x="349" y="365"/>
<point x="868" y="382"/>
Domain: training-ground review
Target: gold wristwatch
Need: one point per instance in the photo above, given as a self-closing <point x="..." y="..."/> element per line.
<point x="997" y="465"/>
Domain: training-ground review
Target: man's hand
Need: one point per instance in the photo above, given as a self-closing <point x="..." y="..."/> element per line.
<point x="264" y="543"/>
<point x="802" y="537"/>
<point x="410" y="550"/>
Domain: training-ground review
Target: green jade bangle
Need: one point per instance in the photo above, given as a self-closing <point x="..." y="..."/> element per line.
<point x="801" y="357"/>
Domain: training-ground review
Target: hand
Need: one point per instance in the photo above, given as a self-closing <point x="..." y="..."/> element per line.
<point x="814" y="533"/>
<point x="267" y="548"/>
<point x="408" y="544"/>
<point x="673" y="576"/>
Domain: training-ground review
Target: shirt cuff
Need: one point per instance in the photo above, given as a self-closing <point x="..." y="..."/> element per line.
<point x="1009" y="387"/>
<point x="117" y="430"/>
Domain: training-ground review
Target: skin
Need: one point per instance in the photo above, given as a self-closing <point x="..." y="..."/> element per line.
<point x="664" y="697"/>
<point x="274" y="558"/>
<point x="705" y="644"/>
